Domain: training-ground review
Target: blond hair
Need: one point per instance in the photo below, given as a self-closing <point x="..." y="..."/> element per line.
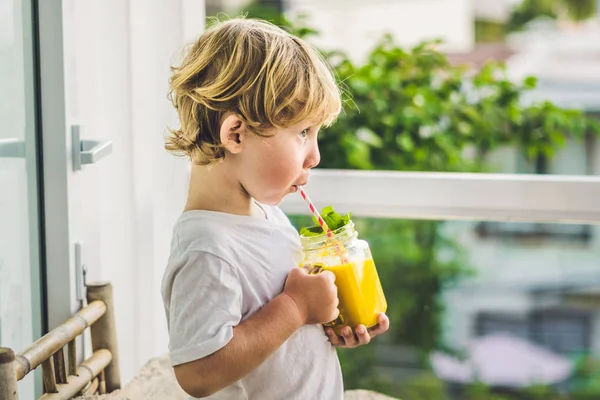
<point x="256" y="70"/>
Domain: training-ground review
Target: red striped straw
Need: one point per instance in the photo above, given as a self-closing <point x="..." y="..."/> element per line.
<point x="323" y="224"/>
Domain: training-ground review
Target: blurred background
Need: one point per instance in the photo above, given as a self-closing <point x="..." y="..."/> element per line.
<point x="481" y="308"/>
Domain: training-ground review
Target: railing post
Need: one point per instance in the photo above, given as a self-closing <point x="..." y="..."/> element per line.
<point x="104" y="332"/>
<point x="8" y="375"/>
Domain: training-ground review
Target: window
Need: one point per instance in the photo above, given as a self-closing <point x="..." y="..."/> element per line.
<point x="564" y="331"/>
<point x="487" y="323"/>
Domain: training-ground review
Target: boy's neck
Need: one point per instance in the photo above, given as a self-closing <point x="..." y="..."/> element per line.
<point x="213" y="189"/>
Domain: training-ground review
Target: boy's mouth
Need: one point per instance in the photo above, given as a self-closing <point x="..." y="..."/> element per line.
<point x="296" y="187"/>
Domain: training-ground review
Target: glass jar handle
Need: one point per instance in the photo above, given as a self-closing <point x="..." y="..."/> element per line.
<point x="314" y="269"/>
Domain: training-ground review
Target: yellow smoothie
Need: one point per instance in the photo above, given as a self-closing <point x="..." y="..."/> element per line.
<point x="360" y="293"/>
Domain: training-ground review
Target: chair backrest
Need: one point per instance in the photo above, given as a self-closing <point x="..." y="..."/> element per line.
<point x="63" y="378"/>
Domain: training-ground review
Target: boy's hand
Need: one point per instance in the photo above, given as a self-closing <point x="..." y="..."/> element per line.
<point x="360" y="336"/>
<point x="314" y="295"/>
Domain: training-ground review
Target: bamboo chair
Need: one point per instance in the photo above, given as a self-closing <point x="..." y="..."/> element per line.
<point x="64" y="379"/>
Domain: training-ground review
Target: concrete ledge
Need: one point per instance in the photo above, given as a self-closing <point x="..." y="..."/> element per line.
<point x="156" y="381"/>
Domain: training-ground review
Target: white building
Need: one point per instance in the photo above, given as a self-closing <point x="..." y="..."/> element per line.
<point x="355" y="26"/>
<point x="493" y="10"/>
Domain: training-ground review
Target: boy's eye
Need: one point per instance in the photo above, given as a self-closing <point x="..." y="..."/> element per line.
<point x="304" y="134"/>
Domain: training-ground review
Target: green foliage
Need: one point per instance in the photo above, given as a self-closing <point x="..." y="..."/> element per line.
<point x="580" y="10"/>
<point x="354" y="363"/>
<point x="297" y="26"/>
<point x="528" y="10"/>
<point x="540" y="392"/>
<point x="424" y="386"/>
<point x="489" y="31"/>
<point x="411" y="110"/>
<point x="585" y="383"/>
<point x="268" y="10"/>
<point x="480" y="391"/>
<point x="333" y="220"/>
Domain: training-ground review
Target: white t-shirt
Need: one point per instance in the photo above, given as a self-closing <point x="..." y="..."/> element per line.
<point x="222" y="269"/>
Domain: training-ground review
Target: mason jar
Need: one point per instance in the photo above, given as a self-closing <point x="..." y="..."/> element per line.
<point x="349" y="258"/>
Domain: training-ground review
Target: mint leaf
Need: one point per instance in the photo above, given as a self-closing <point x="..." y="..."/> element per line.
<point x="333" y="220"/>
<point x="346" y="219"/>
<point x="327" y="210"/>
<point x="312" y="231"/>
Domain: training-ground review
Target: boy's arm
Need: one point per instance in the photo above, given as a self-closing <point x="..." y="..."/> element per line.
<point x="254" y="340"/>
<point x="306" y="299"/>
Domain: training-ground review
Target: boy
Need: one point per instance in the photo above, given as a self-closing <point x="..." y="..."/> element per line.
<point x="244" y="320"/>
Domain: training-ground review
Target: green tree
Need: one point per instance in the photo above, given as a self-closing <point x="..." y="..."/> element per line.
<point x="585" y="383"/>
<point x="579" y="10"/>
<point x="414" y="111"/>
<point x="528" y="10"/>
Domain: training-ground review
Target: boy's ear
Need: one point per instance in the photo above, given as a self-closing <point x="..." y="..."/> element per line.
<point x="233" y="132"/>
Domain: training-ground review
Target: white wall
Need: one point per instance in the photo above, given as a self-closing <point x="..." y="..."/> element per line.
<point x="117" y="59"/>
<point x="493" y="10"/>
<point x="355" y="26"/>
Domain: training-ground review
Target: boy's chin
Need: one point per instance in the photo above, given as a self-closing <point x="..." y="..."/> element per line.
<point x="272" y="200"/>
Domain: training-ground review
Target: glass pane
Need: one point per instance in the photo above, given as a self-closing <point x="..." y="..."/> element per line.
<point x="20" y="319"/>
<point x="482" y="310"/>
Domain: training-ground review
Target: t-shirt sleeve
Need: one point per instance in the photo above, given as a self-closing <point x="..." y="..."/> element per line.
<point x="205" y="304"/>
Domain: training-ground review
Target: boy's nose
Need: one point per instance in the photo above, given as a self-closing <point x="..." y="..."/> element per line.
<point x="313" y="159"/>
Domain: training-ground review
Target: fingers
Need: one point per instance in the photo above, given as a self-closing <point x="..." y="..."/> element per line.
<point x="360" y="336"/>
<point x="349" y="339"/>
<point x="383" y="324"/>
<point x="306" y="268"/>
<point x="335" y="311"/>
<point x="333" y="338"/>
<point x="329" y="275"/>
<point x="348" y="336"/>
